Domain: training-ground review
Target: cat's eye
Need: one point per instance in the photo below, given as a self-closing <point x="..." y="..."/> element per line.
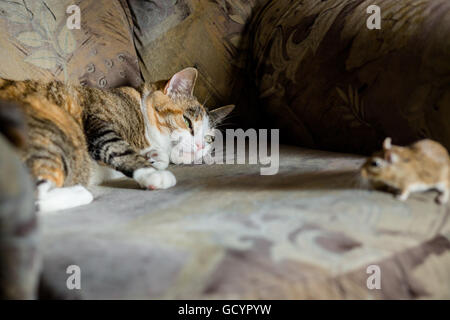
<point x="188" y="122"/>
<point x="209" y="139"/>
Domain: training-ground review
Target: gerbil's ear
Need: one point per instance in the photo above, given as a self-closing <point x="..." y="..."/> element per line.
<point x="217" y="115"/>
<point x="182" y="83"/>
<point x="387" y="144"/>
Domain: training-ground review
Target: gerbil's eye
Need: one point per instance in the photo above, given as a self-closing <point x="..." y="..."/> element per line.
<point x="188" y="122"/>
<point x="209" y="139"/>
<point x="375" y="163"/>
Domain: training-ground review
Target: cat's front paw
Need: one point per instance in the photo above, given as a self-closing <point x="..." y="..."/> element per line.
<point x="159" y="159"/>
<point x="148" y="178"/>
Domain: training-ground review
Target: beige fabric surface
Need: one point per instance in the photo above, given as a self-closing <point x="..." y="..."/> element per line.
<point x="225" y="232"/>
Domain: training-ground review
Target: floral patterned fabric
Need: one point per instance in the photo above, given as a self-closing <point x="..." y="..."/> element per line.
<point x="37" y="44"/>
<point x="171" y="35"/>
<point x="329" y="82"/>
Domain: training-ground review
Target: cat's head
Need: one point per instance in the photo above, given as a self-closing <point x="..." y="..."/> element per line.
<point x="184" y="128"/>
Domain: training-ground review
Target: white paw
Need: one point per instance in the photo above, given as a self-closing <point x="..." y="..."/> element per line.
<point x="149" y="178"/>
<point x="442" y="198"/>
<point x="54" y="199"/>
<point x="158" y="159"/>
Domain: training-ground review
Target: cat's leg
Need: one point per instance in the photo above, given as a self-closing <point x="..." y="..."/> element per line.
<point x="57" y="157"/>
<point x="107" y="146"/>
<point x="50" y="194"/>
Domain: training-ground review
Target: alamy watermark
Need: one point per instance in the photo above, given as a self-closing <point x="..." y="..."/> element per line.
<point x="374" y="20"/>
<point x="73" y="282"/>
<point x="374" y="280"/>
<point x="239" y="147"/>
<point x="74" y="20"/>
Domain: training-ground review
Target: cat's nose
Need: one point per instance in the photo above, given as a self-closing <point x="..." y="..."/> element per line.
<point x="199" y="145"/>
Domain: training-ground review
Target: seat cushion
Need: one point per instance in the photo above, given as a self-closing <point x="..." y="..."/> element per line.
<point x="226" y="232"/>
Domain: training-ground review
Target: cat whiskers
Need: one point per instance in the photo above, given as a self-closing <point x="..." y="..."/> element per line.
<point x="226" y="156"/>
<point x="221" y="123"/>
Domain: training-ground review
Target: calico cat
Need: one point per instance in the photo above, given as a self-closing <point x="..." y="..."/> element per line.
<point x="75" y="133"/>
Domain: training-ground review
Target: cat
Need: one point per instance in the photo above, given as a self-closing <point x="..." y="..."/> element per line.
<point x="79" y="136"/>
<point x="422" y="166"/>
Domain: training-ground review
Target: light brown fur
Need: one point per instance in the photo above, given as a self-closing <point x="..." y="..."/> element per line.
<point x="421" y="166"/>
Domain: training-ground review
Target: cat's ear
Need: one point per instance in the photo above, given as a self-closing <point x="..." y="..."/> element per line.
<point x="182" y="83"/>
<point x="217" y="115"/>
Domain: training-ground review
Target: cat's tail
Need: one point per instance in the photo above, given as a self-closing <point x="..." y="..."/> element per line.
<point x="12" y="123"/>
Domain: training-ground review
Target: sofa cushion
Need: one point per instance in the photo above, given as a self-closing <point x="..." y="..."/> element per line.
<point x="39" y="45"/>
<point x="328" y="81"/>
<point x="172" y="35"/>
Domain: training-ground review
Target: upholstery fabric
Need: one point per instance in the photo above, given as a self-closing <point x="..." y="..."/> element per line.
<point x="329" y="82"/>
<point x="36" y="44"/>
<point x="171" y="35"/>
<point x="225" y="232"/>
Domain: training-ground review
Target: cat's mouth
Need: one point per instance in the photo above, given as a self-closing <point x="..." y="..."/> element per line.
<point x="186" y="157"/>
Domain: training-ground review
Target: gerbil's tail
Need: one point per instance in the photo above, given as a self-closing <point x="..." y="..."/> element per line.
<point x="12" y="123"/>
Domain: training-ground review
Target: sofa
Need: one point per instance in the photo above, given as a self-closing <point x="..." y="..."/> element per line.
<point x="312" y="69"/>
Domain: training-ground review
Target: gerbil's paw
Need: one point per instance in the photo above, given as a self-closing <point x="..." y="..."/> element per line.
<point x="402" y="196"/>
<point x="158" y="159"/>
<point x="442" y="198"/>
<point x="150" y="179"/>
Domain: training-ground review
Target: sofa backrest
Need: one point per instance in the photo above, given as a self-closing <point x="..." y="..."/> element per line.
<point x="36" y="42"/>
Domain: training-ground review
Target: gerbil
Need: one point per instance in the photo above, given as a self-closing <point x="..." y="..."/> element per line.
<point x="422" y="166"/>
